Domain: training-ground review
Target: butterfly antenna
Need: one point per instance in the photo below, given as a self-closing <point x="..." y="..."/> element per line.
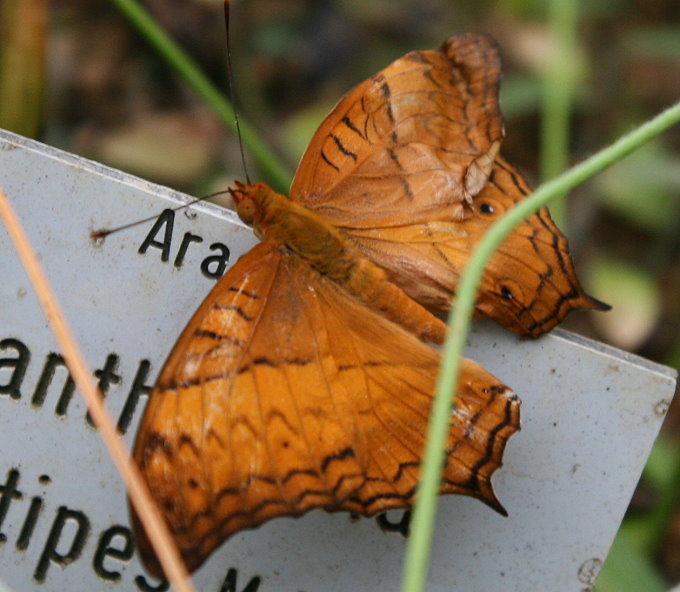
<point x="98" y="235"/>
<point x="230" y="79"/>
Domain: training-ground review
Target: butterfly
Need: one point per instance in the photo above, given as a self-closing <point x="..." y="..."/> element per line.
<point x="305" y="378"/>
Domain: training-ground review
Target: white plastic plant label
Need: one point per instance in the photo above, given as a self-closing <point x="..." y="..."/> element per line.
<point x="589" y="415"/>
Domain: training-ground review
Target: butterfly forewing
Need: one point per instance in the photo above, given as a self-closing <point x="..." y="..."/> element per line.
<point x="284" y="393"/>
<point x="418" y="136"/>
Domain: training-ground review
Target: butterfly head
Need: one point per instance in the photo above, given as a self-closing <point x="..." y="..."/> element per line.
<point x="254" y="205"/>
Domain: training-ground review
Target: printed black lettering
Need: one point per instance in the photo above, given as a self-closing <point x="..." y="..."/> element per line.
<point x="167" y="220"/>
<point x="50" y="554"/>
<point x="32" y="517"/>
<point x="138" y="388"/>
<point x="53" y="362"/>
<point x="400" y="526"/>
<point x="8" y="492"/>
<point x="187" y="239"/>
<point x="29" y="524"/>
<point x="144" y="586"/>
<point x="18" y="366"/>
<point x="220" y="261"/>
<point x="229" y="584"/>
<point x="106" y="549"/>
<point x="106" y="376"/>
<point x="65" y="397"/>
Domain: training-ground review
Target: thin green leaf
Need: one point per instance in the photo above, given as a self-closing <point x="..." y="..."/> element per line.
<point x="558" y="89"/>
<point x="277" y="174"/>
<point x="420" y="541"/>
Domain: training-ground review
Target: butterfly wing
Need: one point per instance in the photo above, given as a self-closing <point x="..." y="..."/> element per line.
<point x="285" y="394"/>
<point x="530" y="283"/>
<point x="416" y="139"/>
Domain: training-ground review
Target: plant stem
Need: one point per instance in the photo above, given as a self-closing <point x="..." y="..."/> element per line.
<point x="277" y="174"/>
<point x="422" y="526"/>
<point x="22" y="65"/>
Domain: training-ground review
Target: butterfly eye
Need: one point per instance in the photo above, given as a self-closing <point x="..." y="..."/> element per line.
<point x="247" y="210"/>
<point x="506" y="293"/>
<point x="486" y="208"/>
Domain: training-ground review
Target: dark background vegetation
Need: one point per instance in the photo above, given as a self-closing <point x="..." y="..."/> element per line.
<point x="102" y="92"/>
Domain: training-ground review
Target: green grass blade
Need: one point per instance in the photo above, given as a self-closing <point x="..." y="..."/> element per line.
<point x="419" y="543"/>
<point x="277" y="174"/>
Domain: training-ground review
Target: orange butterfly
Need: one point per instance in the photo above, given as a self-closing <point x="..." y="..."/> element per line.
<point x="304" y="380"/>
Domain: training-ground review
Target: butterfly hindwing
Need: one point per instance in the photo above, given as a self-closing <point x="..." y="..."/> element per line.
<point x="529" y="284"/>
<point x="285" y="394"/>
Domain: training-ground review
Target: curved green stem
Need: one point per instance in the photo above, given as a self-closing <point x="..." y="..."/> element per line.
<point x="276" y="173"/>
<point x="422" y="526"/>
